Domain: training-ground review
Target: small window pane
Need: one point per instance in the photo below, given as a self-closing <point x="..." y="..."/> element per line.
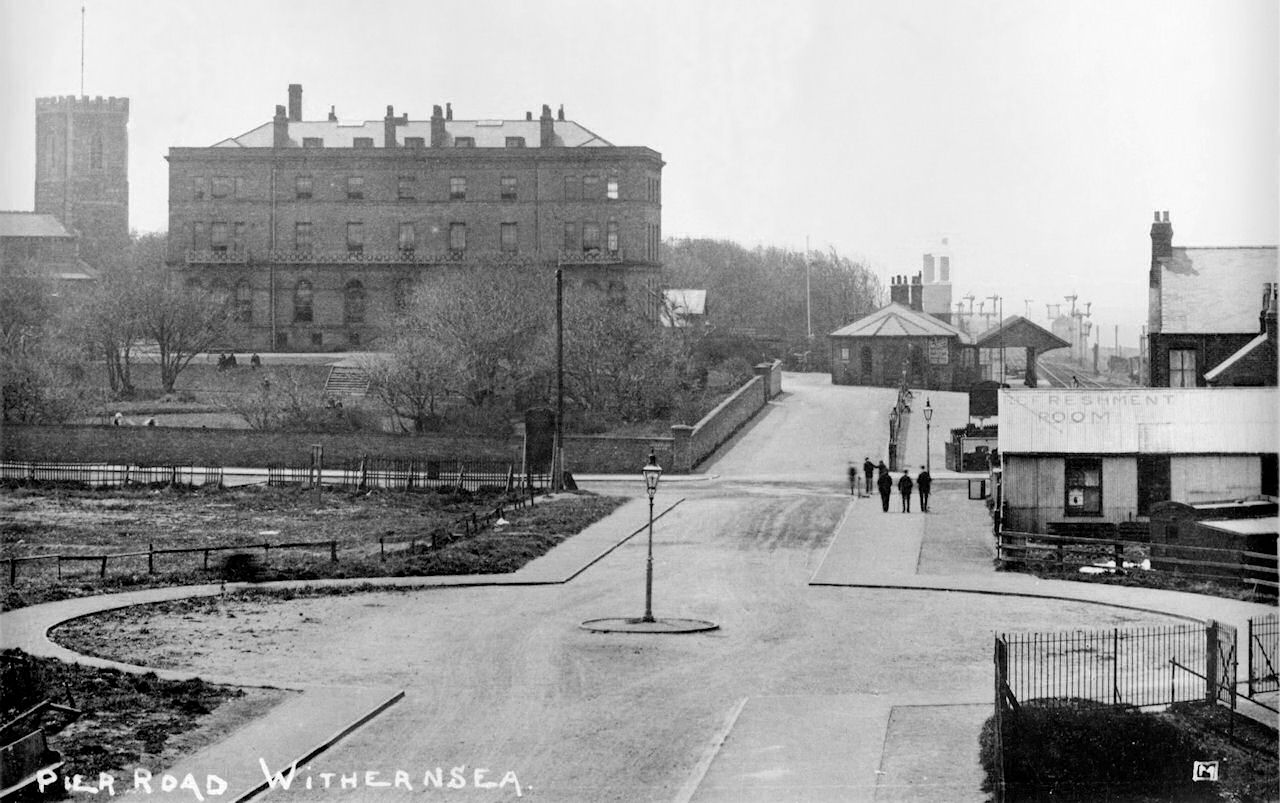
<point x="612" y="189"/>
<point x="458" y="237"/>
<point x="508" y="188"/>
<point x="407" y="237"/>
<point x="510" y="238"/>
<point x="405" y="188"/>
<point x="457" y="188"/>
<point x="355" y="187"/>
<point x="302" y="187"/>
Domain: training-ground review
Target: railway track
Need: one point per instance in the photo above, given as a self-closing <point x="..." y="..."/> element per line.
<point x="1060" y="375"/>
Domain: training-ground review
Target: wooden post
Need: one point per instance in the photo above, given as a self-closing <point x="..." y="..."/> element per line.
<point x="317" y="471"/>
<point x="206" y="560"/>
<point x="333" y="551"/>
<point x="382" y="547"/>
<point x="13" y="571"/>
<point x="59" y="567"/>
<point x="1211" y="661"/>
<point x="151" y="558"/>
<point x="102" y="572"/>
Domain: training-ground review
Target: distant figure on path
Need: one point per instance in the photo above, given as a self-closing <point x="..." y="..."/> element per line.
<point x="853" y="480"/>
<point x="1075" y="381"/>
<point x="868" y="469"/>
<point x="255" y="361"/>
<point x="923" y="481"/>
<point x="904" y="487"/>
<point x="885" y="484"/>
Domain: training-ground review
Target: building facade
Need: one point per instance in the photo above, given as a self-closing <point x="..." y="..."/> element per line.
<point x="901" y="343"/>
<point x="36" y="244"/>
<point x="1205" y="306"/>
<point x="82" y="170"/>
<point x="1075" y="455"/>
<point x="319" y="231"/>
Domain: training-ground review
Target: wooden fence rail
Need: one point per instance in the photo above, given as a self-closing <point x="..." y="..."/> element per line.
<point x="151" y="553"/>
<point x="1255" y="569"/>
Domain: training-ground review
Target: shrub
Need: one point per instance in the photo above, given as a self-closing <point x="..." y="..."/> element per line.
<point x="240" y="567"/>
<point x="1079" y="750"/>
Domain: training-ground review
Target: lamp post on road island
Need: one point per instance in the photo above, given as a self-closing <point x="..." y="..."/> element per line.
<point x="928" y="431"/>
<point x="651" y="472"/>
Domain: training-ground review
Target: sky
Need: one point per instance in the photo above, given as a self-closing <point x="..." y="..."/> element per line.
<point x="1037" y="137"/>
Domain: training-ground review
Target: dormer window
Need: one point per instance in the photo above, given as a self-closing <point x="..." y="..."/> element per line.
<point x="464" y="142"/>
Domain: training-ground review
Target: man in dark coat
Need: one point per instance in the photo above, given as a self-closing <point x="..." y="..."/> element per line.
<point x="923" y="481"/>
<point x="868" y="468"/>
<point x="904" y="487"/>
<point x="885" y="485"/>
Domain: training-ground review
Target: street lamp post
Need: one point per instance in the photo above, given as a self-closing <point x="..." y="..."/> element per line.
<point x="652" y="473"/>
<point x="928" y="430"/>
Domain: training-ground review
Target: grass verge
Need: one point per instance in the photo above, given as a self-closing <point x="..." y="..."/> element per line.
<point x="377" y="534"/>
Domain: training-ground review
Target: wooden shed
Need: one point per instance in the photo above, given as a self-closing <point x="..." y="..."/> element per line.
<point x="1107" y="456"/>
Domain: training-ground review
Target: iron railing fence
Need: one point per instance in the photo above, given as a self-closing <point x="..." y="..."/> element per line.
<point x="109" y="475"/>
<point x="1141" y="667"/>
<point x="1264" y="644"/>
<point x="404" y="474"/>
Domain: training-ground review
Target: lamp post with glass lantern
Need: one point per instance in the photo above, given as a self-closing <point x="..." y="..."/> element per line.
<point x="652" y="473"/>
<point x="928" y="430"/>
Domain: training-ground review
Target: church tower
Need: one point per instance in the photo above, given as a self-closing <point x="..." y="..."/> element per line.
<point x="82" y="170"/>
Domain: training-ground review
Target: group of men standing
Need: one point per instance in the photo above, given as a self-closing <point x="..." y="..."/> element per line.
<point x="884" y="484"/>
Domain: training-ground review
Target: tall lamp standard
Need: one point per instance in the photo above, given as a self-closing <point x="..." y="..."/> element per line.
<point x="928" y="430"/>
<point x="652" y="473"/>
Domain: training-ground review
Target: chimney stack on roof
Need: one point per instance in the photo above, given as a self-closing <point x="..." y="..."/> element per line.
<point x="280" y="129"/>
<point x="389" y="128"/>
<point x="295" y="102"/>
<point x="528" y="116"/>
<point x="928" y="268"/>
<point x="916" y="295"/>
<point x="437" y="127"/>
<point x="547" y="129"/>
<point x="560" y="113"/>
<point x="1161" y="244"/>
<point x="448" y="111"/>
<point x="899" y="291"/>
<point x="944" y="267"/>
<point x="333" y="114"/>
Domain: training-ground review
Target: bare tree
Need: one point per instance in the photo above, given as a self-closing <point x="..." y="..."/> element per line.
<point x="182" y="322"/>
<point x="488" y="330"/>
<point x="408" y="378"/>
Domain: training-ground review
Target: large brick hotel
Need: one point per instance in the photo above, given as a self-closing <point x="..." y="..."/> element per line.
<point x="316" y="231"/>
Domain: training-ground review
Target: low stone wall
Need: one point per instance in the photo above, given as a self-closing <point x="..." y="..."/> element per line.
<point x="680" y="452"/>
<point x="181" y="446"/>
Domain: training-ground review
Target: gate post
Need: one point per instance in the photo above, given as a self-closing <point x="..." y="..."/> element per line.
<point x="1211" y="661"/>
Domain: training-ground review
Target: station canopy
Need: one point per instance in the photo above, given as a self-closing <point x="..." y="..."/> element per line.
<point x="1017" y="332"/>
<point x="897" y="320"/>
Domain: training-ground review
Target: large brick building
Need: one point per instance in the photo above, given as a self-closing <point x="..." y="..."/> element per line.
<point x="82" y="170"/>
<point x="317" y="230"/>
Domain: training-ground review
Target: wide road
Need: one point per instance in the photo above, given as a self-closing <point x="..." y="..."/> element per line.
<point x="804" y="693"/>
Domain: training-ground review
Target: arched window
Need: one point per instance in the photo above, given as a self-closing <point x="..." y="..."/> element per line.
<point x="401" y="293"/>
<point x="353" y="302"/>
<point x="218" y="295"/>
<point x="302" y="302"/>
<point x="244" y="302"/>
<point x="95" y="152"/>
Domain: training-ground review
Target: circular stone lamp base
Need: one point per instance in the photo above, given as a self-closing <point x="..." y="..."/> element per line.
<point x="624" y="625"/>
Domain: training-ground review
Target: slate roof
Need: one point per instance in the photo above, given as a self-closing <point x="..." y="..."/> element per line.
<point x="30" y="224"/>
<point x="487" y="133"/>
<point x="1214" y="290"/>
<point x="897" y="320"/>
